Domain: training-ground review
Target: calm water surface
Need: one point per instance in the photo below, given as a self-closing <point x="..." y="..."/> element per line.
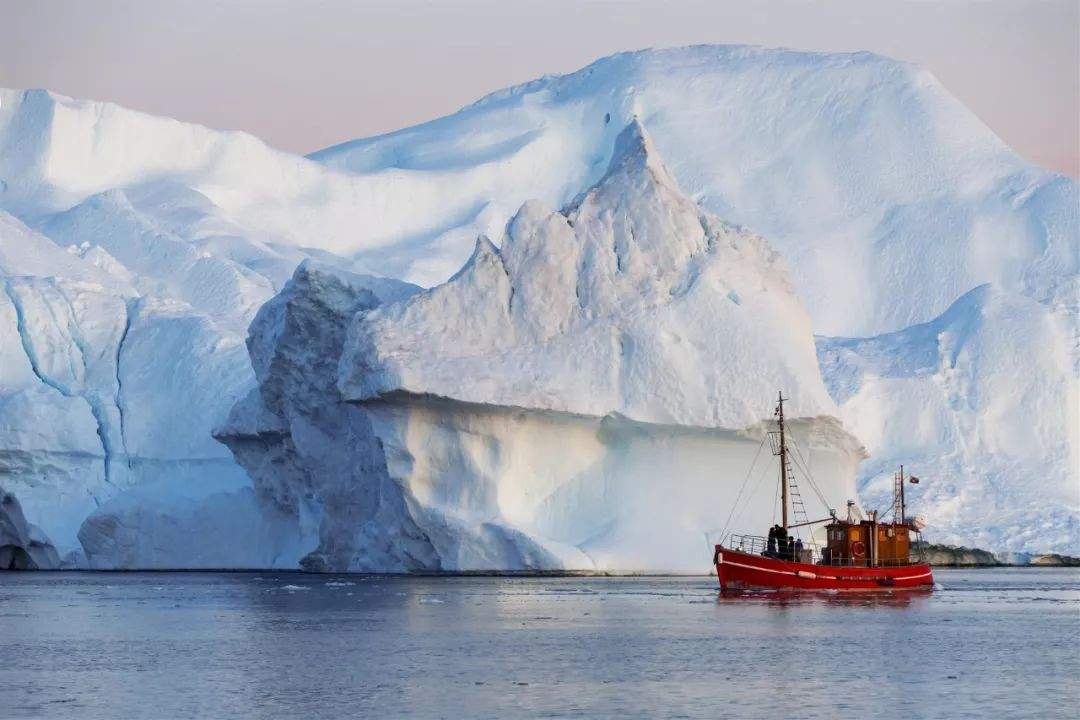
<point x="988" y="643"/>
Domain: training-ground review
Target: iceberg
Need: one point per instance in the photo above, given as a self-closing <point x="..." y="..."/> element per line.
<point x="136" y="251"/>
<point x="587" y="396"/>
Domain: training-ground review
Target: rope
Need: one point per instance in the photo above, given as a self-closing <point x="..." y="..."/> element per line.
<point x="757" y="485"/>
<point x="804" y="466"/>
<point x="743" y="486"/>
<point x="776" y="500"/>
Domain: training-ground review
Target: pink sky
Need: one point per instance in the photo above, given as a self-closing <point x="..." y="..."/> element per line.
<point x="305" y="75"/>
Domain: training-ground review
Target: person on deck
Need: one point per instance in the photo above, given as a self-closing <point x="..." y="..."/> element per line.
<point x="782" y="546"/>
<point x="770" y="550"/>
<point x="798" y="550"/>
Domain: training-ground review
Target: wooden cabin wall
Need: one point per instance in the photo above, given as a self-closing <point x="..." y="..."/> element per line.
<point x="893" y="544"/>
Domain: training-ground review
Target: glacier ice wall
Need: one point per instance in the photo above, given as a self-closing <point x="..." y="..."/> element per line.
<point x="596" y="493"/>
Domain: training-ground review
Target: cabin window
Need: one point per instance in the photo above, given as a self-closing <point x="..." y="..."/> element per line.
<point x="892" y="533"/>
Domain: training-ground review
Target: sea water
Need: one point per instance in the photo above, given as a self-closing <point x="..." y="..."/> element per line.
<point x="985" y="643"/>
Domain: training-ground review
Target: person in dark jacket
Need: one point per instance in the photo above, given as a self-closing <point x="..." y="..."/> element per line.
<point x="782" y="545"/>
<point x="770" y="550"/>
<point x="798" y="550"/>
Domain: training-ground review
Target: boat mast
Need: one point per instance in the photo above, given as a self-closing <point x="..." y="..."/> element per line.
<point x="783" y="460"/>
<point x="903" y="520"/>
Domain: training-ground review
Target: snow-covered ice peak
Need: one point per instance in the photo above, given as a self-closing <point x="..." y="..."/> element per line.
<point x="635" y="155"/>
<point x="632" y="301"/>
<point x="656" y="233"/>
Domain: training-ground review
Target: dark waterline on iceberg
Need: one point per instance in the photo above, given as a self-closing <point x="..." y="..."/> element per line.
<point x="294" y="645"/>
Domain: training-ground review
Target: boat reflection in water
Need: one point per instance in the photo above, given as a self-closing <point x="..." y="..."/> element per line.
<point x="827" y="598"/>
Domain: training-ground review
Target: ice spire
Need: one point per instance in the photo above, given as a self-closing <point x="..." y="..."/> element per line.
<point x="635" y="154"/>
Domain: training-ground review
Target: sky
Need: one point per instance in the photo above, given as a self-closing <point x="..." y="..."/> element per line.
<point x="306" y="75"/>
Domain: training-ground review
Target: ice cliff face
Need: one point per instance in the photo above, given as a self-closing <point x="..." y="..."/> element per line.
<point x="104" y="390"/>
<point x="311" y="457"/>
<point x="572" y="400"/>
<point x="888" y="200"/>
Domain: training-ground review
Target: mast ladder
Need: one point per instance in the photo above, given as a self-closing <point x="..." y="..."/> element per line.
<point x="797" y="507"/>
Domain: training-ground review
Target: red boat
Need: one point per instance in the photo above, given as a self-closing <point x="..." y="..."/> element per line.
<point x="862" y="554"/>
<point x="743" y="571"/>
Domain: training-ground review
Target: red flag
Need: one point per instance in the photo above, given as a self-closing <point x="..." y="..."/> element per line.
<point x="914" y="480"/>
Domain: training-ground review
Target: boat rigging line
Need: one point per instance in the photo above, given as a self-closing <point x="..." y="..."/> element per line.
<point x="803" y="465"/>
<point x="743" y="486"/>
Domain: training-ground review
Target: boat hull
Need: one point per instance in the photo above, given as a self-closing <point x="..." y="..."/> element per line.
<point x="743" y="571"/>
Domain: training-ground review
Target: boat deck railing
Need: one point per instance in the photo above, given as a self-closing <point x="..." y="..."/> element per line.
<point x="751" y="544"/>
<point x="812" y="553"/>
